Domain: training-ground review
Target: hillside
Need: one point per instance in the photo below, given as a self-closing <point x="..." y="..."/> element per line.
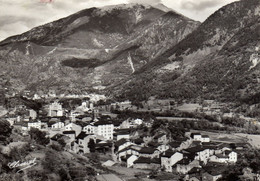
<point x="219" y="60"/>
<point x="92" y="49"/>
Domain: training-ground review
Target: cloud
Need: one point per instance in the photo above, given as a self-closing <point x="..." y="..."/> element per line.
<point x="200" y="5"/>
<point x="145" y="1"/>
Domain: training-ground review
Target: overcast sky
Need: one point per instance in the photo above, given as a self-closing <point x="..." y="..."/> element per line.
<point x="18" y="16"/>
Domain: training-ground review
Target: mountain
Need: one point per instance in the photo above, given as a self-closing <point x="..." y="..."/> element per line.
<point x="219" y="60"/>
<point x="91" y="50"/>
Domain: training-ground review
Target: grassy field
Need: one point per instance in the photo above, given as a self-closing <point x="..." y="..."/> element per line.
<point x="254" y="140"/>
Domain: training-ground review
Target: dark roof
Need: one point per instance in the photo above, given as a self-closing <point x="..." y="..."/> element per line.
<point x="69" y="132"/>
<point x="175" y="144"/>
<point x="147" y="150"/>
<point x="121" y="142"/>
<point x="221" y="156"/>
<point x="227" y="152"/>
<point x="194" y="170"/>
<point x="193" y="134"/>
<point x="185" y="161"/>
<point x="102" y="123"/>
<point x="138" y="141"/>
<point x="195" y="149"/>
<point x="159" y="135"/>
<point x="205" y="136"/>
<point x="182" y="139"/>
<point x="168" y="153"/>
<point x="82" y="135"/>
<point x="142" y="160"/>
<point x="56" y="137"/>
<point x="153" y="144"/>
<point x="215" y="169"/>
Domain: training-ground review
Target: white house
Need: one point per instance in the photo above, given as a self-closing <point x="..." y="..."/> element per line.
<point x="34" y="124"/>
<point x="55" y="109"/>
<point x="196" y="136"/>
<point x="130" y="160"/>
<point x="83" y="142"/>
<point x="201" y="153"/>
<point x="58" y="125"/>
<point x="137" y="122"/>
<point x="205" y="138"/>
<point x="104" y="128"/>
<point x="122" y="143"/>
<point x="74" y="127"/>
<point x="232" y="156"/>
<point x="170" y="158"/>
<point x="89" y="129"/>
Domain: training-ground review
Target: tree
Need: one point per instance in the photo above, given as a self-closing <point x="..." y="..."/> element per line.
<point x="5" y="130"/>
<point x="92" y="145"/>
<point x="39" y="136"/>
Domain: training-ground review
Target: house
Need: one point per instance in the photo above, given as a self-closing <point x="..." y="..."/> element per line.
<point x="121" y="144"/>
<point x="185" y="142"/>
<point x="139" y="141"/>
<point x="214" y="176"/>
<point x="205" y="138"/>
<point x="130" y="161"/>
<point x="221" y="147"/>
<point x="186" y="164"/>
<point x="55" y="109"/>
<point x="161" y="138"/>
<point x="199" y="137"/>
<point x="104" y="128"/>
<point x="175" y="145"/>
<point x="82" y="141"/>
<point x="232" y="156"/>
<point x="34" y="124"/>
<point x="32" y="114"/>
<point x="71" y="134"/>
<point x="212" y="172"/>
<point x="219" y="158"/>
<point x="225" y="157"/>
<point x="162" y="147"/>
<point x="147" y="139"/>
<point x="201" y="153"/>
<point x="74" y="127"/>
<point x="149" y="152"/>
<point x="89" y="129"/>
<point x="196" y="136"/>
<point x="147" y="163"/>
<point x="58" y="125"/>
<point x="170" y="158"/>
<point x="137" y="122"/>
<point x="122" y="133"/>
<point x="130" y="150"/>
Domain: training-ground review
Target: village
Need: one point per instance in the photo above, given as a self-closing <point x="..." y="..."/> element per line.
<point x="88" y="127"/>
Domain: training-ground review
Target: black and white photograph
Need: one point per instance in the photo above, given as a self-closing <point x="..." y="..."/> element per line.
<point x="129" y="90"/>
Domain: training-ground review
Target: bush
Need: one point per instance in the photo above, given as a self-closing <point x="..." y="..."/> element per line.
<point x="39" y="136"/>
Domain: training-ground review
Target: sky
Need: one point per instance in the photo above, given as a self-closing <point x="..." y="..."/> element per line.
<point x="18" y="16"/>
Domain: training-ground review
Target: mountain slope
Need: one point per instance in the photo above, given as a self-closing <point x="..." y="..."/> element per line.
<point x="218" y="60"/>
<point x="92" y="49"/>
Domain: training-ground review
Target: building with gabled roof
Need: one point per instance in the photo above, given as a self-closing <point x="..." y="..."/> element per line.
<point x="147" y="163"/>
<point x="169" y="158"/>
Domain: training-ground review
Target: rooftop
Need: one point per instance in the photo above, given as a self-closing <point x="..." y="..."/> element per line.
<point x="69" y="132"/>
